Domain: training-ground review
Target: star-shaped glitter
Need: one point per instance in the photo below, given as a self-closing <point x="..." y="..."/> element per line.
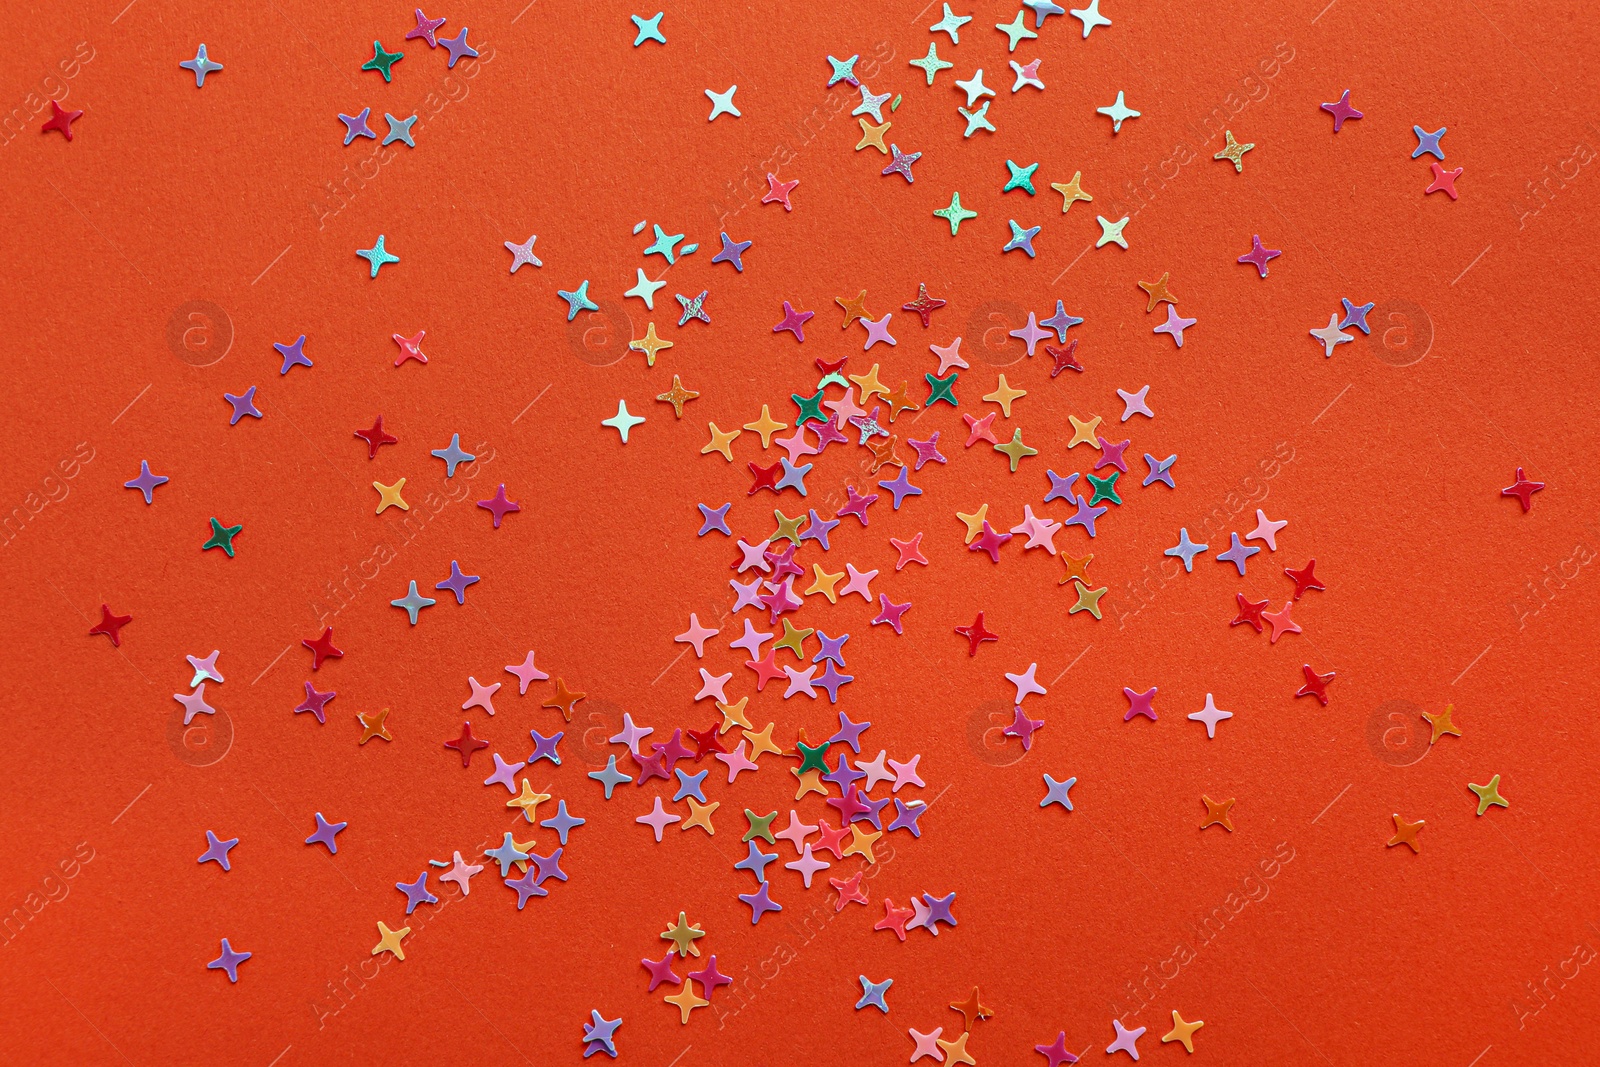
<point x="1355" y="315"/>
<point x="356" y="126"/>
<point x="1027" y="74"/>
<point x="382" y="61"/>
<point x="1090" y="17"/>
<point x="577" y="300"/>
<point x="202" y="65"/>
<point x="146" y="482"/>
<point x="499" y="505"/>
<point x="293" y="354"/>
<point x="1118" y="111"/>
<point x="457" y="46"/>
<point x="217" y="851"/>
<point x="1341" y="110"/>
<point x="229" y="961"/>
<point x="901" y="163"/>
<point x="1259" y="255"/>
<point x="1021" y="238"/>
<point x="955" y="214"/>
<point x="377" y="255"/>
<point x="872" y="992"/>
<point x="325" y="833"/>
<point x="649" y="29"/>
<point x="722" y="103"/>
<point x="795" y="322"/>
<point x="452" y="455"/>
<point x="1021" y="177"/>
<point x="1210" y="715"/>
<point x="1175" y="325"/>
<point x="399" y="130"/>
<point x="1126" y="1040"/>
<point x="951" y="23"/>
<point x="931" y="64"/>
<point x="976" y="120"/>
<point x="974" y="87"/>
<point x="61" y="119"/>
<point x="778" y="192"/>
<point x="1016" y="31"/>
<point x="425" y="28"/>
<point x="222" y="537"/>
<point x="457" y="582"/>
<point x="1056" y="792"/>
<point x="1331" y="336"/>
<point x="1444" y="181"/>
<point x="1186" y="549"/>
<point x="1234" y="152"/>
<point x="871" y="104"/>
<point x="244" y="404"/>
<point x="1426" y="142"/>
<point x="413" y="602"/>
<point x="416" y="892"/>
<point x="843" y="71"/>
<point x="693" y="309"/>
<point x="732" y="251"/>
<point x="1056" y="1052"/>
<point x="523" y="253"/>
<point x="1160" y="470"/>
<point x="1523" y="490"/>
<point x="1237" y="553"/>
<point x="1489" y="795"/>
<point x="1111" y="232"/>
<point x="1405" y="833"/>
<point x="1135" y="403"/>
<point x="1316" y="684"/>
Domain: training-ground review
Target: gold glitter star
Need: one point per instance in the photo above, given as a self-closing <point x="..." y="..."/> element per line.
<point x="389" y="496"/>
<point x="677" y="396"/>
<point x="853" y="309"/>
<point x="1405" y="833"/>
<point x="766" y="426"/>
<point x="872" y="135"/>
<point x="1441" y="723"/>
<point x="1158" y="292"/>
<point x="1003" y="395"/>
<point x="788" y="529"/>
<point x="1084" y="433"/>
<point x="720" y="442"/>
<point x="1234" y="152"/>
<point x="1070" y="191"/>
<point x="649" y="344"/>
<point x="974" y="521"/>
<point x="1089" y="600"/>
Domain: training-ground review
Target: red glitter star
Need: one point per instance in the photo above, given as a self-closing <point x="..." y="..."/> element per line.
<point x="1249" y="612"/>
<point x="977" y="635"/>
<point x="894" y="919"/>
<point x="1304" y="578"/>
<point x="109" y="624"/>
<point x="1065" y="358"/>
<point x="924" y="305"/>
<point x="322" y="648"/>
<point x="376" y="437"/>
<point x="60" y="119"/>
<point x="765" y="478"/>
<point x="1316" y="684"/>
<point x="1522" y="489"/>
<point x="778" y="192"/>
<point x="410" y="348"/>
<point x="466" y="744"/>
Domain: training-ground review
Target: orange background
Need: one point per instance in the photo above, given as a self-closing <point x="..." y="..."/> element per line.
<point x="1386" y="460"/>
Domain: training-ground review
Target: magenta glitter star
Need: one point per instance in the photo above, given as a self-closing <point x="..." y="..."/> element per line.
<point x="1341" y="110"/>
<point x="661" y="971"/>
<point x="901" y="163"/>
<point x="1057" y="1052"/>
<point x="1111" y="455"/>
<point x="1023" y="728"/>
<point x="857" y="504"/>
<point x="499" y="505"/>
<point x="314" y="702"/>
<point x="426" y="28"/>
<point x="457" y="583"/>
<point x="794" y="321"/>
<point x="927" y="451"/>
<point x="827" y="434"/>
<point x="1256" y="257"/>
<point x="989" y="542"/>
<point x="890" y="612"/>
<point x="710" y="978"/>
<point x="1140" y="703"/>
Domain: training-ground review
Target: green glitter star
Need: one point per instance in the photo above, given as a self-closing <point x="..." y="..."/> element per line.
<point x="222" y="537"/>
<point x="810" y="407"/>
<point x="812" y="759"/>
<point x="1104" y="488"/>
<point x="1017" y="450"/>
<point x="941" y="389"/>
<point x="955" y="213"/>
<point x="931" y="64"/>
<point x="1021" y="177"/>
<point x="760" y="826"/>
<point x="381" y="61"/>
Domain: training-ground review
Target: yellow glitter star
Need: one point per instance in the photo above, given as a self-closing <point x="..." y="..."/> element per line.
<point x="1088" y="600"/>
<point x="1003" y="395"/>
<point x="677" y="396"/>
<point x="683" y="936"/>
<point x="1070" y="191"/>
<point x="733" y="715"/>
<point x="687" y="1000"/>
<point x="1489" y="795"/>
<point x="1441" y="723"/>
<point x="974" y="521"/>
<point x="720" y="442"/>
<point x="1084" y="433"/>
<point x="794" y="640"/>
<point x="1016" y="449"/>
<point x="810" y="782"/>
<point x="389" y="940"/>
<point x="1234" y="152"/>
<point x="528" y="801"/>
<point x="1183" y="1031"/>
<point x="766" y="426"/>
<point x="861" y="843"/>
<point x="649" y="344"/>
<point x="1158" y="292"/>
<point x="389" y="496"/>
<point x="700" y="815"/>
<point x="788" y="529"/>
<point x="761" y="741"/>
<point x="824" y="583"/>
<point x="867" y="385"/>
<point x="872" y="135"/>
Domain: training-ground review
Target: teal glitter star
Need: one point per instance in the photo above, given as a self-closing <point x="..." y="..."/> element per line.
<point x="1021" y="177"/>
<point x="377" y="255"/>
<point x="578" y="300"/>
<point x="222" y="537"/>
<point x="844" y="70"/>
<point x="951" y="24"/>
<point x="955" y="213"/>
<point x="413" y="602"/>
<point x="664" y="245"/>
<point x="941" y="389"/>
<point x="1021" y="238"/>
<point x="977" y="120"/>
<point x="382" y="61"/>
<point x="649" y="30"/>
<point x="931" y="64"/>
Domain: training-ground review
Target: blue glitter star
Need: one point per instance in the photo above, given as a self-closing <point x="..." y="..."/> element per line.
<point x="293" y="355"/>
<point x="1160" y="470"/>
<point x="1426" y="142"/>
<point x="732" y="252"/>
<point x="872" y="994"/>
<point x="901" y="487"/>
<point x="1021" y="238"/>
<point x="1185" y="549"/>
<point x="714" y="519"/>
<point x="578" y="300"/>
<point x="377" y="255"/>
<point x="452" y="455"/>
<point x="1056" y="792"/>
<point x="413" y="602"/>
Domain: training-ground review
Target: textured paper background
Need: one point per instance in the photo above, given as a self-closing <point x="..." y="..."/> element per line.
<point x="1386" y="460"/>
